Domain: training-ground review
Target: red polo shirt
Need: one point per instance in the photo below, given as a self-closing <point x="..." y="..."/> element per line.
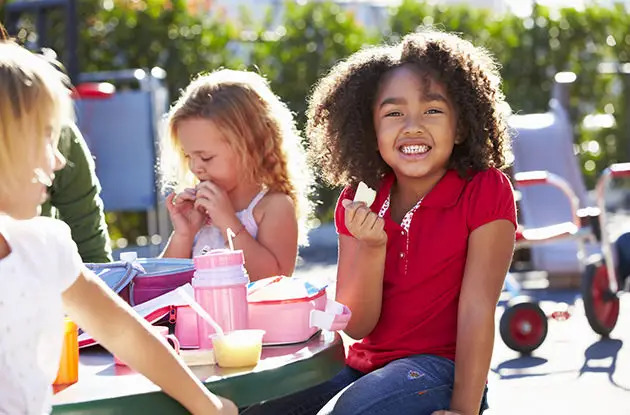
<point x="423" y="276"/>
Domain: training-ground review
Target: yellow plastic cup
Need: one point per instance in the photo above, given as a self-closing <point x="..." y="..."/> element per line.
<point x="68" y="372"/>
<point x="239" y="348"/>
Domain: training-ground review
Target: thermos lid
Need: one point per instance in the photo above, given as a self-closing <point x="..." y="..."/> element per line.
<point x="217" y="258"/>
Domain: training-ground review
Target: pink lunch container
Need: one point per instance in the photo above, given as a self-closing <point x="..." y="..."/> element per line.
<point x="286" y="321"/>
<point x="160" y="276"/>
<point x="186" y="327"/>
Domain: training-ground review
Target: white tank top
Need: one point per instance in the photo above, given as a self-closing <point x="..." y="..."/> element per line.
<point x="210" y="237"/>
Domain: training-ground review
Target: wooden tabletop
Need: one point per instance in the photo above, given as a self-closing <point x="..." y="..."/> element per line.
<point x="105" y="388"/>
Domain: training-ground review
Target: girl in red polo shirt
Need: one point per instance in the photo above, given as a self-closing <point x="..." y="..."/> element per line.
<point x="424" y="123"/>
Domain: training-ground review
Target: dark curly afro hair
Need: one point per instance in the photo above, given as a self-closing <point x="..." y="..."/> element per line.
<point x="340" y="125"/>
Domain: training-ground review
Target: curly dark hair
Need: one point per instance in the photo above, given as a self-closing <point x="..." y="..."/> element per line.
<point x="340" y="125"/>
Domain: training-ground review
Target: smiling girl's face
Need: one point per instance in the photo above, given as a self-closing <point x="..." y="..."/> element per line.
<point x="34" y="189"/>
<point x="209" y="155"/>
<point x="415" y="124"/>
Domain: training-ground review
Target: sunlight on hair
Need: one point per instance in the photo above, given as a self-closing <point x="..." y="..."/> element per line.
<point x="257" y="125"/>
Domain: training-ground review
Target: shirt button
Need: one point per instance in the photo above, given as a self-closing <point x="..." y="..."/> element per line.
<point x="402" y="233"/>
<point x="402" y="254"/>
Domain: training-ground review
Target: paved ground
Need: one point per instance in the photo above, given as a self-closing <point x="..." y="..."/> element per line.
<point x="574" y="372"/>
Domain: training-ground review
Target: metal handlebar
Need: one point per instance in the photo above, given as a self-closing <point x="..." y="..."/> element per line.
<point x="617" y="170"/>
<point x="542" y="177"/>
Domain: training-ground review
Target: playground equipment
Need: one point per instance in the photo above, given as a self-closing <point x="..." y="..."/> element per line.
<point x="564" y="234"/>
<point x="122" y="132"/>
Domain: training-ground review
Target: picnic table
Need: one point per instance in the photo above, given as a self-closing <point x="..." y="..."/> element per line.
<point x="104" y="388"/>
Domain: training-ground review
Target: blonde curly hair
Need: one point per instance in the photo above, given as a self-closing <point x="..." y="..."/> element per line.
<point x="256" y="124"/>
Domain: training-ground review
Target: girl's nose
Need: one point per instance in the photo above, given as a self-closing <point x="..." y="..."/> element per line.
<point x="413" y="127"/>
<point x="195" y="166"/>
<point x="60" y="160"/>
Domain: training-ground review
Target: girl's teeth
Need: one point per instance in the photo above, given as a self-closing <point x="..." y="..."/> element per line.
<point x="415" y="149"/>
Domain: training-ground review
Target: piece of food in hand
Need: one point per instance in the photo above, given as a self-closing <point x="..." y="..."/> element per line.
<point x="192" y="192"/>
<point x="365" y="194"/>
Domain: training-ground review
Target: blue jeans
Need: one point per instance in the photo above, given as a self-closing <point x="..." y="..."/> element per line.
<point x="623" y="256"/>
<point x="415" y="385"/>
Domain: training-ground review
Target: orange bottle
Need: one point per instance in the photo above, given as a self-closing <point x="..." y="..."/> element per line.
<point x="69" y="363"/>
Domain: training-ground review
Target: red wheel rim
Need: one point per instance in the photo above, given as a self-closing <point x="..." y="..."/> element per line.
<point x="606" y="309"/>
<point x="526" y="326"/>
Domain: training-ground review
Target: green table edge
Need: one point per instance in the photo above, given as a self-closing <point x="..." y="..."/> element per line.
<point x="244" y="390"/>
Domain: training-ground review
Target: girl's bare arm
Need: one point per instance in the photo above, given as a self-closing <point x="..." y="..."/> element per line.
<point x="361" y="267"/>
<point x="360" y="273"/>
<point x="274" y="250"/>
<point x="178" y="246"/>
<point x="99" y="311"/>
<point x="490" y="249"/>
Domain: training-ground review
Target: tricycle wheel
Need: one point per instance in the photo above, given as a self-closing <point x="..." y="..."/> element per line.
<point x="523" y="325"/>
<point x="601" y="306"/>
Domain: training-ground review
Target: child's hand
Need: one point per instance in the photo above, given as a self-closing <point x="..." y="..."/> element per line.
<point x="187" y="219"/>
<point x="216" y="203"/>
<point x="364" y="224"/>
<point x="229" y="408"/>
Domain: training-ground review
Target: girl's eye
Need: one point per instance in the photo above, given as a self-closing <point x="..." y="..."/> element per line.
<point x="434" y="111"/>
<point x="393" y="114"/>
<point x="207" y="158"/>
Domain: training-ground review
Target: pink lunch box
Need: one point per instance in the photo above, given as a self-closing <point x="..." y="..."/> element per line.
<point x="186" y="327"/>
<point x="296" y="320"/>
<point x="160" y="276"/>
